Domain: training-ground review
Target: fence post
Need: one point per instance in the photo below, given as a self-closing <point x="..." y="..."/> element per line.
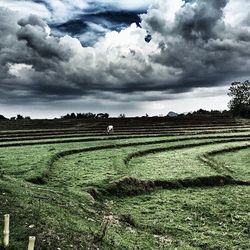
<point x="6" y="230"/>
<point x="32" y="240"/>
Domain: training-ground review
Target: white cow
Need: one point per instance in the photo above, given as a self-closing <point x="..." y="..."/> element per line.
<point x="110" y="129"/>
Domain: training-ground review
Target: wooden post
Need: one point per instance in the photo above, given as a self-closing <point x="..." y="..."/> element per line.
<point x="32" y="240"/>
<point x="6" y="230"/>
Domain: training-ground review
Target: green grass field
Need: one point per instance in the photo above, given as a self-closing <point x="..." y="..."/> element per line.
<point x="132" y="191"/>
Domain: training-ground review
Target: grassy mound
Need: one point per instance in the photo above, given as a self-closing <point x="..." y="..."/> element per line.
<point x="130" y="186"/>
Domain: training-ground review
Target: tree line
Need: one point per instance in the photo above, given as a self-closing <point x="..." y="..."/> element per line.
<point x="239" y="106"/>
<point x="18" y="117"/>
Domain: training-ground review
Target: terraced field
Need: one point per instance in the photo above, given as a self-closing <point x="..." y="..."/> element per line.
<point x="152" y="184"/>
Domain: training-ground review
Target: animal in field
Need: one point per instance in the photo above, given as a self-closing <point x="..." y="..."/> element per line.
<point x="110" y="129"/>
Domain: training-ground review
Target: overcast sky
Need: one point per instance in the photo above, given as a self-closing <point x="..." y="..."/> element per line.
<point x="132" y="57"/>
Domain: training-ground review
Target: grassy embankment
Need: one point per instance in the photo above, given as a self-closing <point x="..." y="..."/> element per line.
<point x="138" y="197"/>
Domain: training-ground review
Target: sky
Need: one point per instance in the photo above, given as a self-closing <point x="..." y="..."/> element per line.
<point x="132" y="57"/>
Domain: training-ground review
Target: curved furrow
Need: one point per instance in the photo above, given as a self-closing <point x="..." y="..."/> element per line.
<point x="46" y="174"/>
<point x="76" y="151"/>
<point x="209" y="159"/>
<point x="159" y="150"/>
<point x="129" y="186"/>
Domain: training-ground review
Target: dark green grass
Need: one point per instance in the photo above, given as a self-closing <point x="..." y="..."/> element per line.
<point x="238" y="162"/>
<point x="31" y="161"/>
<point x="64" y="215"/>
<point x="184" y="163"/>
<point x="57" y="219"/>
<point x="98" y="168"/>
<point x="212" y="218"/>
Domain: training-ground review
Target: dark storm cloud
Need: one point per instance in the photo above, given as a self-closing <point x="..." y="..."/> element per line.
<point x="200" y="22"/>
<point x="26" y="42"/>
<point x="33" y="32"/>
<point x="201" y="46"/>
<point x="194" y="48"/>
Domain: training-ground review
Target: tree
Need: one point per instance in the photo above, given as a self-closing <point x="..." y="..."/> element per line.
<point x="240" y="102"/>
<point x="2" y="117"/>
<point x="19" y="117"/>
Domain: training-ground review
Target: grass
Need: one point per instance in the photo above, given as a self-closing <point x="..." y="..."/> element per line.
<point x="26" y="162"/>
<point x="30" y="161"/>
<point x="52" y="216"/>
<point x="183" y="163"/>
<point x="238" y="162"/>
<point x="210" y="218"/>
<point x="71" y="210"/>
<point x="98" y="168"/>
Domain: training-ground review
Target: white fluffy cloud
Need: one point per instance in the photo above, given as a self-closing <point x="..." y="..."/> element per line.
<point x="20" y="70"/>
<point x="26" y="8"/>
<point x="237" y="12"/>
<point x="122" y="58"/>
<point x="59" y="11"/>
